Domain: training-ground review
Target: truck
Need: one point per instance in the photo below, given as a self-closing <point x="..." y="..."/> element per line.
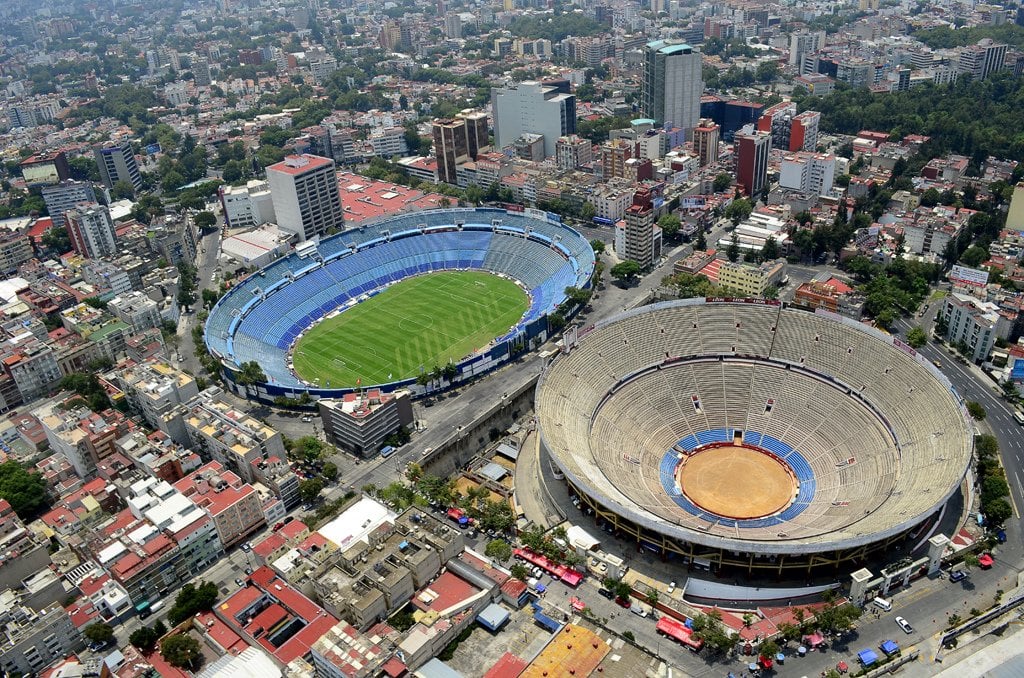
<point x="459" y="516"/>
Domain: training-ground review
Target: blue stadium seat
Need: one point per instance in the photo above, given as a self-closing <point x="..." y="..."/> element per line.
<point x="296" y="291"/>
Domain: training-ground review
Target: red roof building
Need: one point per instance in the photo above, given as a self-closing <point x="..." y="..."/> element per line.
<point x="234" y="505"/>
<point x="283" y="621"/>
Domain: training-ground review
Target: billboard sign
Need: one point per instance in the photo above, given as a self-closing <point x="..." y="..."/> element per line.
<point x="968" y="276"/>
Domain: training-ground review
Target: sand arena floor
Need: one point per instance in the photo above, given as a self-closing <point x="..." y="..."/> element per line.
<point x="737" y="482"/>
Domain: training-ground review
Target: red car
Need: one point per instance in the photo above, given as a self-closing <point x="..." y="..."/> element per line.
<point x="278" y="526"/>
<point x="623" y="602"/>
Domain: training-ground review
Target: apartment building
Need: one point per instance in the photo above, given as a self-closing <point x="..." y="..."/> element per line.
<point x="360" y="422"/>
<point x="234" y="505"/>
<point x="377" y="572"/>
<point x="155" y="389"/>
<point x="136" y="310"/>
<point x="229" y="436"/>
<point x="31" y="640"/>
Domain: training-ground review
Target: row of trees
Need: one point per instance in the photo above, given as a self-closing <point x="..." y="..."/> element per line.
<point x="992" y="478"/>
<point x="475" y="501"/>
<point x="895" y="290"/>
<point x="971" y="117"/>
<point x="188" y="280"/>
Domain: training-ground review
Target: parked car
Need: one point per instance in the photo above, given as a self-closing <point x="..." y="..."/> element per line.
<point x="605" y="593"/>
<point x="904" y="624"/>
<point x="623" y="602"/>
<point x="307" y="419"/>
<point x="239" y="581"/>
<point x="246" y="547"/>
<point x="671" y="587"/>
<point x="957" y="575"/>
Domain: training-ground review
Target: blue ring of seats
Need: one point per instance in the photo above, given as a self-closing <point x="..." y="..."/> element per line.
<point x="801" y="469"/>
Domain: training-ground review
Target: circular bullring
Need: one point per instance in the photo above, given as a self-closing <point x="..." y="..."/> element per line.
<point x="264" y="316"/>
<point x="752" y="428"/>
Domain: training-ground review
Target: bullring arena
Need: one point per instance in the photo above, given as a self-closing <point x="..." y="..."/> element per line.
<point x="753" y="434"/>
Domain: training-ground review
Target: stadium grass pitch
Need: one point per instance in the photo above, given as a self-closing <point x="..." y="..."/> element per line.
<point x="423" y="321"/>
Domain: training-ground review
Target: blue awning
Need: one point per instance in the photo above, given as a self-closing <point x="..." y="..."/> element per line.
<point x="867" y="657"/>
<point x="890" y="647"/>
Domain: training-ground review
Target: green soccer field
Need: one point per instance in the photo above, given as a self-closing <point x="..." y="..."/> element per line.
<point x="421" y="321"/>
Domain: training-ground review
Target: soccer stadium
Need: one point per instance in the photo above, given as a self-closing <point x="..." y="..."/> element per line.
<point x="380" y="304"/>
<point x="753" y="435"/>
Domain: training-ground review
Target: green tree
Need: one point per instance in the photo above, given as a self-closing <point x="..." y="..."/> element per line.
<point x="309" y="490"/>
<point x="588" y="211"/>
<point x="722" y="182"/>
<point x="498" y="549"/>
<point x="145" y="638"/>
<point x="770" y="251"/>
<point x="210" y="298"/>
<point x="57" y="239"/>
<point x="519" y="571"/>
<point x="738" y="210"/>
<point x="598" y="246"/>
<point x="733" y="250"/>
<point x="191" y="600"/>
<point x="670" y="225"/>
<point x="976" y="410"/>
<point x="496" y="515"/>
<point x="233" y="171"/>
<point x="768" y="648"/>
<point x="998" y="512"/>
<point x="625" y="271"/>
<point x="992" y="488"/>
<point x="974" y="256"/>
<point x="26" y="491"/>
<point x="767" y="71"/>
<point x="930" y="198"/>
<point x="204" y="220"/>
<point x="450" y="371"/>
<point x="99" y="633"/>
<point x="917" y="337"/>
<point x="329" y="471"/>
<point x="690" y="286"/>
<point x="122" y="190"/>
<point x="251" y="374"/>
<point x="700" y="243"/>
<point x="147" y="207"/>
<point x="186" y="298"/>
<point x="181" y="650"/>
<point x="709" y="628"/>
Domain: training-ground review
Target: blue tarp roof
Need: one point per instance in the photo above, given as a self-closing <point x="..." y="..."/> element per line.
<point x="867" y="657"/>
<point x="890" y="647"/>
<point x="493" y="616"/>
<point x="546" y="621"/>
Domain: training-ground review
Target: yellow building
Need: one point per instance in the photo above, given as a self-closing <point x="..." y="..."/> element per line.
<point x="751" y="280"/>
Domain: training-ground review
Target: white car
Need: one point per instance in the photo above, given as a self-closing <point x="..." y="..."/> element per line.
<point x="671" y="587"/>
<point x="904" y="624"/>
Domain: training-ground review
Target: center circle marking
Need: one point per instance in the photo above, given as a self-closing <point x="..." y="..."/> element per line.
<point x="740" y="482"/>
